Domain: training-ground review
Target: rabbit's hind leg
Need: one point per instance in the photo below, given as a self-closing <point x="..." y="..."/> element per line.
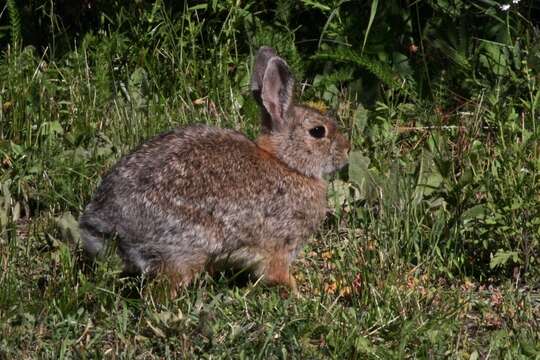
<point x="181" y="271"/>
<point x="276" y="270"/>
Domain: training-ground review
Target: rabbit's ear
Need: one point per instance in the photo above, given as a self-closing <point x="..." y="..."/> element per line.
<point x="259" y="67"/>
<point x="277" y="92"/>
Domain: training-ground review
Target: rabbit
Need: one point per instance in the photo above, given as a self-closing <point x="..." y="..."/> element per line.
<point x="198" y="197"/>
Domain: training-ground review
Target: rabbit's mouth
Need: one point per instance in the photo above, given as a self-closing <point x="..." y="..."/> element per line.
<point x="335" y="166"/>
<point x="339" y="173"/>
<point x="342" y="164"/>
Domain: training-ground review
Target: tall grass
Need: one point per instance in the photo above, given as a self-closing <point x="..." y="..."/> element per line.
<point x="430" y="248"/>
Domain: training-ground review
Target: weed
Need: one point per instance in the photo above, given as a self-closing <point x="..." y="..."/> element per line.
<point x="431" y="246"/>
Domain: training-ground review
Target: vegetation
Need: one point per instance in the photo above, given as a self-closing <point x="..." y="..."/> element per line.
<point x="432" y="245"/>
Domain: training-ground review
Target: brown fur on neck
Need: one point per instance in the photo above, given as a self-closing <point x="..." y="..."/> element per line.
<point x="266" y="143"/>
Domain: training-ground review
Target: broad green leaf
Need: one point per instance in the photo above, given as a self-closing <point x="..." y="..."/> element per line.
<point x="360" y="117"/>
<point x="338" y="192"/>
<point x="475" y="212"/>
<point x="428" y="177"/>
<point x="341" y="194"/>
<point x="360" y="174"/>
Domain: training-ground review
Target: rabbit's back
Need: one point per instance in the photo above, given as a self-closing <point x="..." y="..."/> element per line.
<point x="202" y="192"/>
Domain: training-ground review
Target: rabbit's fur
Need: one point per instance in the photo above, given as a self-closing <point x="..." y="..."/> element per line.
<point x="198" y="197"/>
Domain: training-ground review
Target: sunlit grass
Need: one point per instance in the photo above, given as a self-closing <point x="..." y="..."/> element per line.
<point x="401" y="268"/>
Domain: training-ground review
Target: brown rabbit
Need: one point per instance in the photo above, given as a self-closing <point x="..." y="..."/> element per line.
<point x="197" y="197"/>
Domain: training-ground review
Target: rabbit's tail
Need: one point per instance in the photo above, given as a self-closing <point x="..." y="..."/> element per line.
<point x="94" y="234"/>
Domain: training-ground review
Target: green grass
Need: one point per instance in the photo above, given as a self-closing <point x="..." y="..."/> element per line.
<point x="430" y="250"/>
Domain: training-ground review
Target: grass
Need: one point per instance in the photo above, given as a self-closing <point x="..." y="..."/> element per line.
<point x="430" y="249"/>
<point x="52" y="308"/>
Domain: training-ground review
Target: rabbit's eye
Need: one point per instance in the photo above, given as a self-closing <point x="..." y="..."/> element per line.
<point x="318" y="132"/>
